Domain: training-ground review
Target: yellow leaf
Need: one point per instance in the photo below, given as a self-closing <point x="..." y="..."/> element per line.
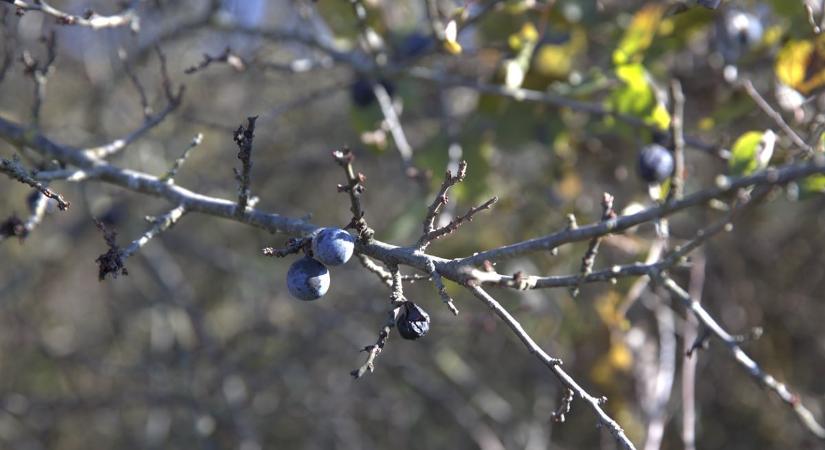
<point x="792" y="62"/>
<point x="639" y="35"/>
<point x="452" y="47"/>
<point x="553" y="61"/>
<point x="620" y="356"/>
<point x="607" y="307"/>
<point x="636" y="97"/>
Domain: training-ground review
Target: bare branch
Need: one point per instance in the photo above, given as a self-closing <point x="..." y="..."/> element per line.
<point x="169" y="177"/>
<point x="771" y="176"/>
<point x="782" y="391"/>
<point x="159" y="225"/>
<point x="89" y="19"/>
<point x="354" y="188"/>
<point x="440" y="200"/>
<point x="39" y="73"/>
<point x="677" y="123"/>
<point x="15" y="170"/>
<point x="243" y="138"/>
<point x="775" y="116"/>
<point x="458" y="221"/>
<point x="589" y="257"/>
<point x="442" y="291"/>
<point x="227" y="56"/>
<point x="375" y="349"/>
<point x="554" y="365"/>
<point x="173" y="101"/>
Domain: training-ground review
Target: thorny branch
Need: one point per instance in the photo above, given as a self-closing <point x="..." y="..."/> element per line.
<point x="354" y="188"/>
<point x="440" y="200"/>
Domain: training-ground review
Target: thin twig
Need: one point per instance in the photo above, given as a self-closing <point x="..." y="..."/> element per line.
<point x="597" y="109"/>
<point x="15" y="170"/>
<point x="169" y="176"/>
<point x="690" y="333"/>
<point x="396" y="299"/>
<point x="554" y="364"/>
<point x="775" y="116"/>
<point x="440" y="200"/>
<point x="159" y="225"/>
<point x="782" y="391"/>
<point x="442" y="291"/>
<point x="589" y="257"/>
<point x="677" y="123"/>
<point x="227" y="56"/>
<point x="89" y="19"/>
<point x="39" y="72"/>
<point x="243" y="138"/>
<point x="383" y="274"/>
<point x="354" y="188"/>
<point x="454" y="224"/>
<point x="396" y="130"/>
<point x="375" y="349"/>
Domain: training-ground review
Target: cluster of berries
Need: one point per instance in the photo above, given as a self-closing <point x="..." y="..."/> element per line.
<point x="308" y="278"/>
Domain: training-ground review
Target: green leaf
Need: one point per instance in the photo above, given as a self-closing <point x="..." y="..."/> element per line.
<point x="639" y="35"/>
<point x="751" y="152"/>
<point x="810" y="186"/>
<point x="636" y="97"/>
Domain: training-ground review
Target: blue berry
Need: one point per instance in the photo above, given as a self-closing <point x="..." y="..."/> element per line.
<point x="412" y="322"/>
<point x="413" y="45"/>
<point x="655" y="163"/>
<point x="307" y="279"/>
<point x="332" y="246"/>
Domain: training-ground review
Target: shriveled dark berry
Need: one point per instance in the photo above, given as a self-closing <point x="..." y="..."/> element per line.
<point x="655" y="163"/>
<point x="412" y="321"/>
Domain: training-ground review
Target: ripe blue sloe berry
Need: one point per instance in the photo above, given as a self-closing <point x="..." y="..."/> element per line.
<point x="655" y="163"/>
<point x="332" y="246"/>
<point x="412" y="322"/>
<point x="307" y="279"/>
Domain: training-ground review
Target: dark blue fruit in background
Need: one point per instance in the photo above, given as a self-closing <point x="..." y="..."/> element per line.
<point x="655" y="163"/>
<point x="307" y="279"/>
<point x="413" y="45"/>
<point x="412" y="322"/>
<point x="361" y="91"/>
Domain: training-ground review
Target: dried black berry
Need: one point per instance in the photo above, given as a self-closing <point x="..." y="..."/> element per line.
<point x="412" y="322"/>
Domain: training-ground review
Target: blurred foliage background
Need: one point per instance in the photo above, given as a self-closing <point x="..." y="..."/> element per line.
<point x="200" y="346"/>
